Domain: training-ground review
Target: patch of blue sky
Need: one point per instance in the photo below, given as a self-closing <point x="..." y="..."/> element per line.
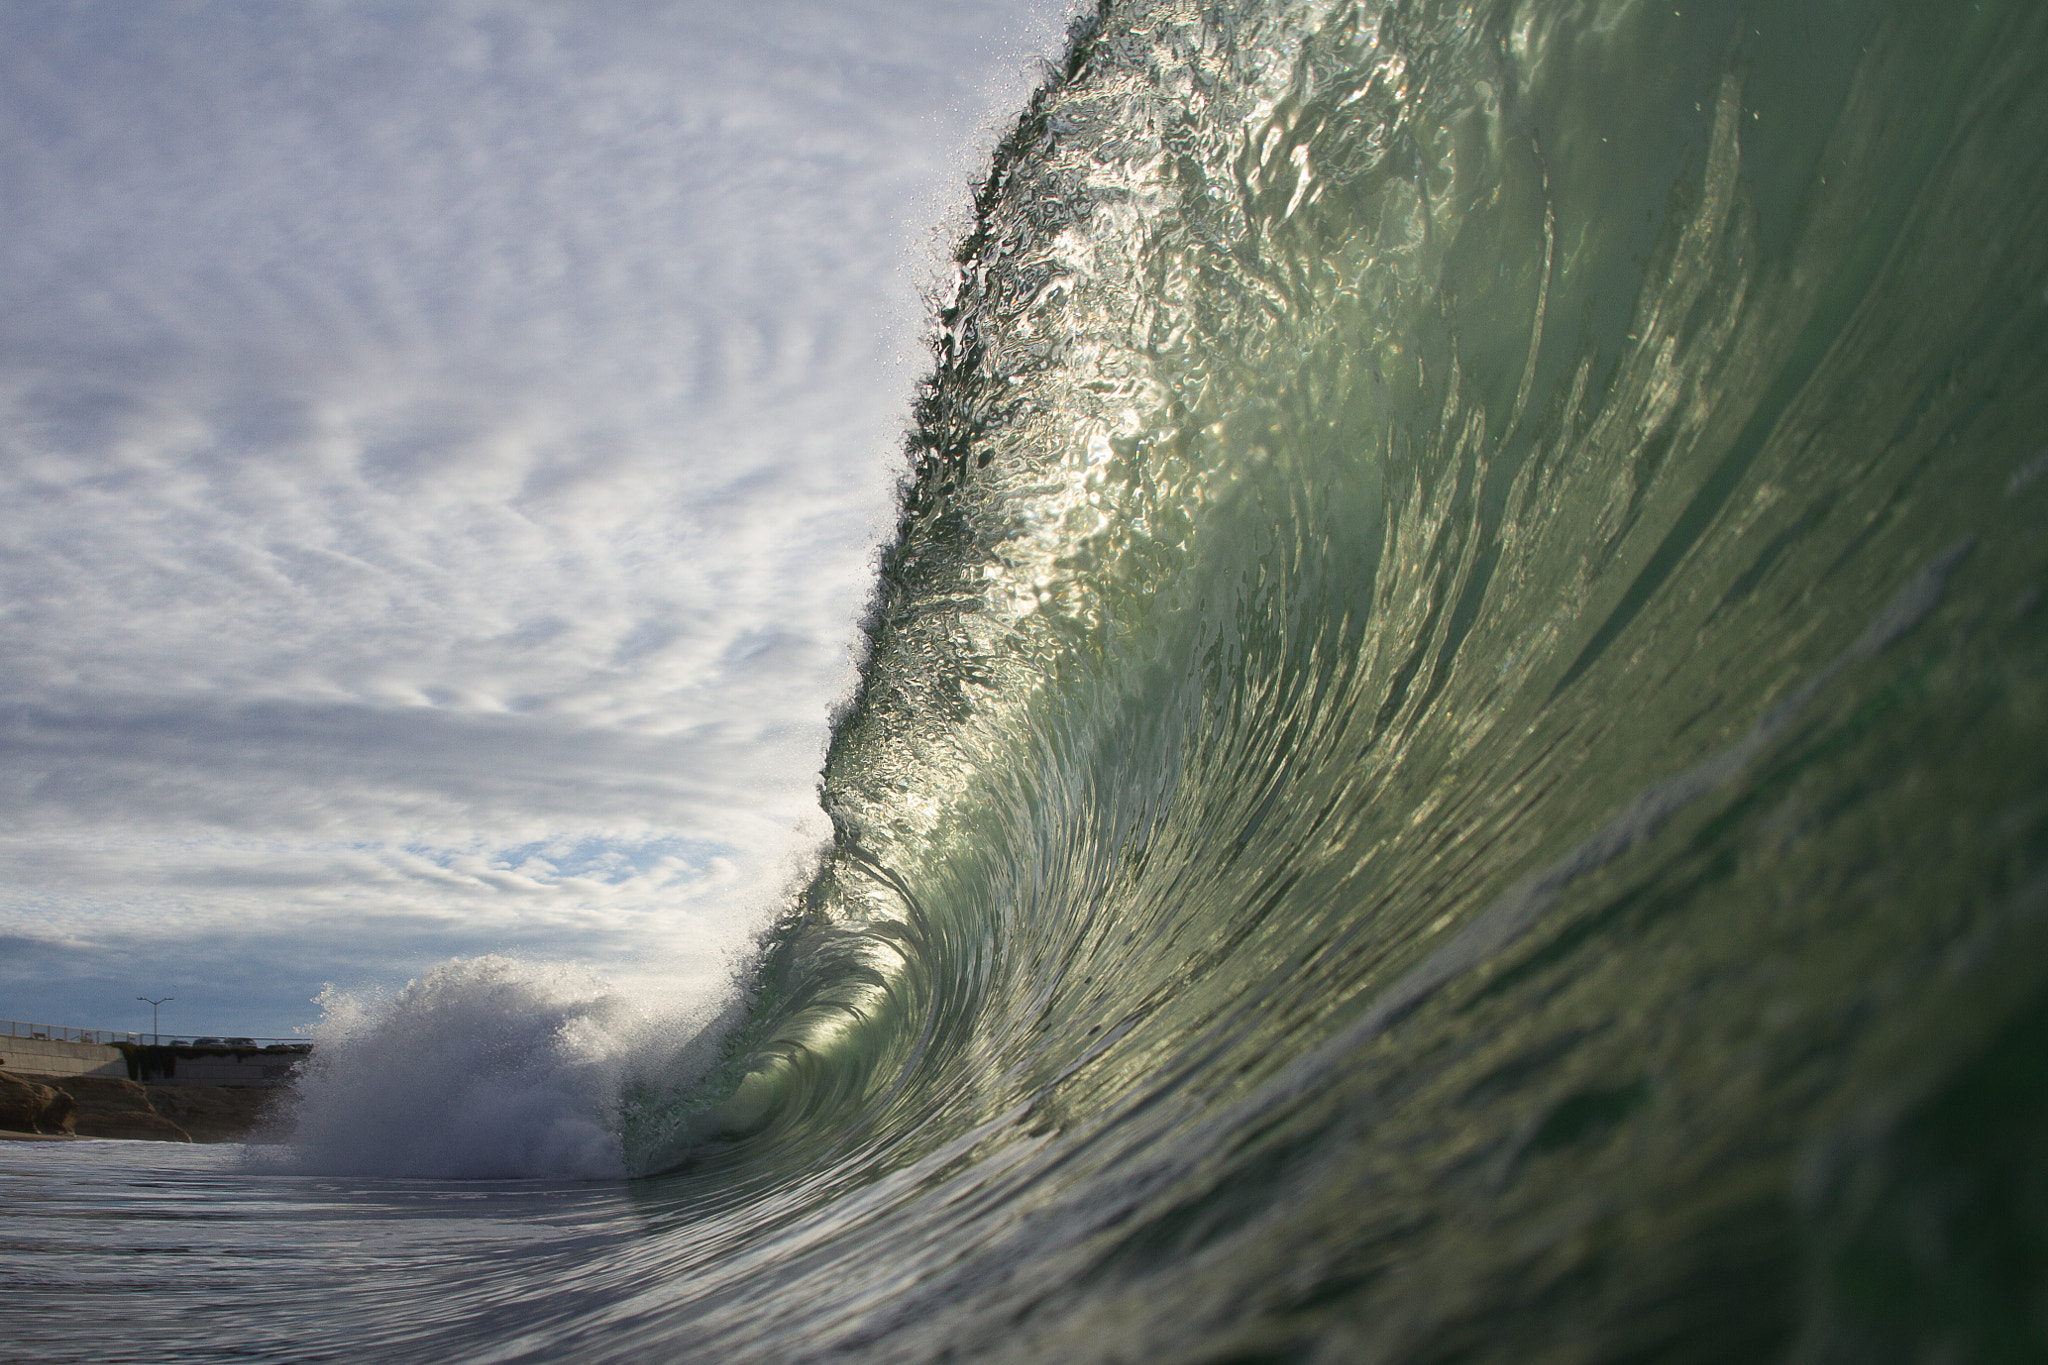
<point x="591" y="858"/>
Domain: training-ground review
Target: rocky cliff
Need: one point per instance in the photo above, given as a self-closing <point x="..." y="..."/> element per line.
<point x="87" y="1106"/>
<point x="28" y="1106"/>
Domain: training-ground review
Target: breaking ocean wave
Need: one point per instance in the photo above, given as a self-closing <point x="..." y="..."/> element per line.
<point x="1450" y="762"/>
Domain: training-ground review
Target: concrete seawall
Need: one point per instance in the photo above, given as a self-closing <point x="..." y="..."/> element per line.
<point x="150" y="1065"/>
<point x="223" y="1065"/>
<point x="51" y="1057"/>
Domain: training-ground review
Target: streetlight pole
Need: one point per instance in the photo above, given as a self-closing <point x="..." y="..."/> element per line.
<point x="154" y="1036"/>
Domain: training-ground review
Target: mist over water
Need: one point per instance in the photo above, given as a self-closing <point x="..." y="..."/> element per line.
<point x="1449" y="763"/>
<point x="493" y="1068"/>
<point x="483" y="1068"/>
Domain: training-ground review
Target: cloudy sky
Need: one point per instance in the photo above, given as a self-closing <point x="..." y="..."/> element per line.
<point x="442" y="447"/>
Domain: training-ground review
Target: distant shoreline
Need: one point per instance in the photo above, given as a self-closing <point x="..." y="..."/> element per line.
<point x="41" y="1106"/>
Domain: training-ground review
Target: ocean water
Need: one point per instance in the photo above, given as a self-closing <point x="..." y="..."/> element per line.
<point x="1452" y="766"/>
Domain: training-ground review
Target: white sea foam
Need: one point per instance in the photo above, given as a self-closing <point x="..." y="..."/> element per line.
<point x="485" y="1067"/>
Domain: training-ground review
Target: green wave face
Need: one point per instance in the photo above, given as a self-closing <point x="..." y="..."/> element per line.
<point x="1454" y="757"/>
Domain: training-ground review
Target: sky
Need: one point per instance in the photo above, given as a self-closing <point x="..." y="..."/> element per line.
<point x="443" y="450"/>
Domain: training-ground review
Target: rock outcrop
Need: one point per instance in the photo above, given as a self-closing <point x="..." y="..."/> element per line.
<point x="28" y="1106"/>
<point x="217" y="1113"/>
<point x="115" y="1107"/>
<point x="88" y="1106"/>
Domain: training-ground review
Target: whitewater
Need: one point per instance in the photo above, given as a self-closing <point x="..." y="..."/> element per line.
<point x="1451" y="764"/>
